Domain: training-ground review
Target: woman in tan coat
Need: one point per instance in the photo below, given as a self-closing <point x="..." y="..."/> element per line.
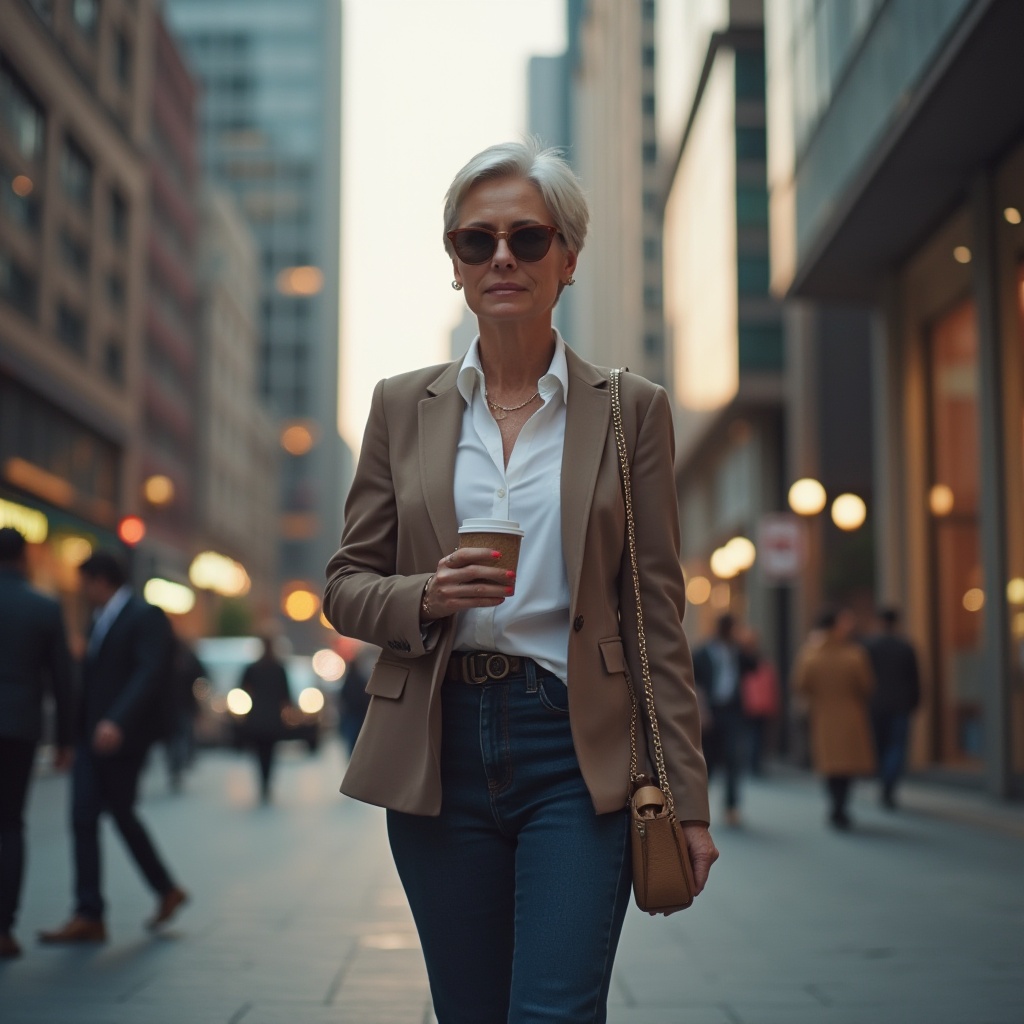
<point x="833" y="674"/>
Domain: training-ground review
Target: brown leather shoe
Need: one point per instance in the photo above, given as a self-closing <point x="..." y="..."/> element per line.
<point x="9" y="947"/>
<point x="78" y="929"/>
<point x="167" y="907"/>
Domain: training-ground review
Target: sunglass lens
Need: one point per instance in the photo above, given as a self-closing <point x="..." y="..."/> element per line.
<point x="474" y="246"/>
<point x="530" y="243"/>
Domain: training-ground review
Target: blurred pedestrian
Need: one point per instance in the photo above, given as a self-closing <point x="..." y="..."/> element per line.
<point x="833" y="674"/>
<point x="34" y="659"/>
<point x="718" y="669"/>
<point x="760" y="698"/>
<point x="353" y="700"/>
<point x="897" y="694"/>
<point x="266" y="682"/>
<point x="124" y="673"/>
<point x="182" y="710"/>
<point x="498" y="734"/>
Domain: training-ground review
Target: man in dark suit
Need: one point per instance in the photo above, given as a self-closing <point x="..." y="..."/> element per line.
<point x="124" y="673"/>
<point x="33" y="656"/>
<point x="718" y="670"/>
<point x="897" y="694"/>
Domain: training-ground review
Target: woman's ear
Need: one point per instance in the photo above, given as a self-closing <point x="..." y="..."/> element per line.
<point x="570" y="261"/>
<point x="456" y="276"/>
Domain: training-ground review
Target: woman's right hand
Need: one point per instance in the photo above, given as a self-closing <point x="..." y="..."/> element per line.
<point x="467" y="578"/>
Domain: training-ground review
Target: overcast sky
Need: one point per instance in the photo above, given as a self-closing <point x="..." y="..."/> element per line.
<point x="426" y="84"/>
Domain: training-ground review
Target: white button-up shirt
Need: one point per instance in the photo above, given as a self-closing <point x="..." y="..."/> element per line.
<point x="533" y="622"/>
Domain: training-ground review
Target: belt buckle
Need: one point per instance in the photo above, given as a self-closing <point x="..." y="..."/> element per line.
<point x="504" y="666"/>
<point x="469" y="673"/>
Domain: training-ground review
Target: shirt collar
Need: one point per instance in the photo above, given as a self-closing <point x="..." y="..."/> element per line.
<point x="471" y="374"/>
<point x="117" y="601"/>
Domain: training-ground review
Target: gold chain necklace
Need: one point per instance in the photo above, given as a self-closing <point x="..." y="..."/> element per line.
<point x="506" y="409"/>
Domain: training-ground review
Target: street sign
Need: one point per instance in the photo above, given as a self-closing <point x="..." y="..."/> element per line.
<point x="781" y="546"/>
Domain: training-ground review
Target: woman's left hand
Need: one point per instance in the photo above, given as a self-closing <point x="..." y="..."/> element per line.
<point x="703" y="852"/>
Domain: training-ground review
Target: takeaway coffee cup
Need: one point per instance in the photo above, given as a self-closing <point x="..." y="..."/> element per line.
<point x="497" y="534"/>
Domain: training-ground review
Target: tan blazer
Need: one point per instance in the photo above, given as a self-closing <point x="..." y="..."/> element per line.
<point x="400" y="521"/>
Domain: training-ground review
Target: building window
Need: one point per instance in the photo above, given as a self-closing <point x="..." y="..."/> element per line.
<point x="118" y="217"/>
<point x="76" y="175"/>
<point x="18" y="200"/>
<point x="752" y="205"/>
<point x="752" y="273"/>
<point x="122" y="58"/>
<point x="958" y="593"/>
<point x="750" y="74"/>
<point x="647" y="104"/>
<point x="647" y="56"/>
<point x="652" y="344"/>
<point x="650" y="152"/>
<point x="73" y="253"/>
<point x="751" y="144"/>
<point x="113" y="361"/>
<point x="17" y="286"/>
<point x="85" y="14"/>
<point x="21" y="115"/>
<point x="652" y="298"/>
<point x="115" y="290"/>
<point x="70" y="328"/>
<point x="761" y="347"/>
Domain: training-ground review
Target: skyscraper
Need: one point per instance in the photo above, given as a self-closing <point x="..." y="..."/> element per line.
<point x="271" y="127"/>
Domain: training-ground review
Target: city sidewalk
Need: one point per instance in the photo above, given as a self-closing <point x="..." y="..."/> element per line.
<point x="917" y="917"/>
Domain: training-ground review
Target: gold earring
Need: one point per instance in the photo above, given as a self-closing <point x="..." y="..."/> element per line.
<point x="570" y="282"/>
<point x="457" y="286"/>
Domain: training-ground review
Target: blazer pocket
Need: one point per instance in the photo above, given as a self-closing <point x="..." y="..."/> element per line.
<point x="613" y="655"/>
<point x="387" y="680"/>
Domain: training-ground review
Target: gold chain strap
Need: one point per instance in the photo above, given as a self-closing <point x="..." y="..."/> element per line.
<point x="645" y="668"/>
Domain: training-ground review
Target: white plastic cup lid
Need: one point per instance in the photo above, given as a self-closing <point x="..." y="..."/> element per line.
<point x="490" y="526"/>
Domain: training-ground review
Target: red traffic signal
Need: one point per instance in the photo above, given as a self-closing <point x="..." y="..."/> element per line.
<point x="131" y="529"/>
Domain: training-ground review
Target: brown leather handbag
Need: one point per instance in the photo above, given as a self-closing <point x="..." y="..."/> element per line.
<point x="662" y="874"/>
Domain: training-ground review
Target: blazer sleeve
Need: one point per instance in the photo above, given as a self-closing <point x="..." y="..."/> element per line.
<point x="365" y="597"/>
<point x="151" y="641"/>
<point x="655" y="510"/>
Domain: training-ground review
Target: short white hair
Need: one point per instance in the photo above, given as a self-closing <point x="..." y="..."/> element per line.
<point x="547" y="169"/>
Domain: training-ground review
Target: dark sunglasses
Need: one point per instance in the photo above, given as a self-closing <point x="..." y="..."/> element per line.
<point x="528" y="243"/>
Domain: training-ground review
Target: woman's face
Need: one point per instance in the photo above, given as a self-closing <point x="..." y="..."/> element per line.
<point x="504" y="288"/>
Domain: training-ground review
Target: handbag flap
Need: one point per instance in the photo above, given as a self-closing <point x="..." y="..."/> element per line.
<point x="387" y="680"/>
<point x="613" y="655"/>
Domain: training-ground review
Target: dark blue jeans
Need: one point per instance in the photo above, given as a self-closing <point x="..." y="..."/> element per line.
<point x="518" y="888"/>
<point x="108" y="784"/>
<point x="891" y="735"/>
<point x="16" y="760"/>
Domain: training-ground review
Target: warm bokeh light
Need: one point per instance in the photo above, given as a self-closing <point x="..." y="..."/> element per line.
<point x="940" y="500"/>
<point x="722" y="564"/>
<point x="807" y="497"/>
<point x="131" y="530"/>
<point x="849" y="512"/>
<point x="297" y="439"/>
<point x="1018" y="625"/>
<point x="311" y="700"/>
<point x="33" y="525"/>
<point x="974" y="599"/>
<point x="74" y="550"/>
<point x="300" y="604"/>
<point x="1012" y="215"/>
<point x="298" y="281"/>
<point x="212" y="571"/>
<point x="962" y="254"/>
<point x="742" y="552"/>
<point x="721" y="595"/>
<point x="174" y="598"/>
<point x="239" y="702"/>
<point x="324" y="621"/>
<point x="698" y="590"/>
<point x="1015" y="590"/>
<point x="21" y="185"/>
<point x="159" y="489"/>
<point x="328" y="664"/>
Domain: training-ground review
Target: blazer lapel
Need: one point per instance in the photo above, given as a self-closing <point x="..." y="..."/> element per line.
<point x="587" y="419"/>
<point x="440" y="426"/>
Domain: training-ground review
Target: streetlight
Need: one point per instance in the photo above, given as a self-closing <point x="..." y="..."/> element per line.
<point x="849" y="512"/>
<point x="807" y="497"/>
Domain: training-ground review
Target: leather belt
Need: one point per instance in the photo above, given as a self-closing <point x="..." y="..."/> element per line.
<point x="476" y="667"/>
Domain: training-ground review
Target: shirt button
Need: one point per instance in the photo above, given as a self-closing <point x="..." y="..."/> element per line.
<point x="578" y="623"/>
<point x="501" y="492"/>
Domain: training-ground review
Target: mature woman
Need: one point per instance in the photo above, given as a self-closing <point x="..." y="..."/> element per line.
<point x="498" y="735"/>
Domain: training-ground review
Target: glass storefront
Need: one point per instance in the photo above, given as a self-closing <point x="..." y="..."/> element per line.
<point x="958" y="594"/>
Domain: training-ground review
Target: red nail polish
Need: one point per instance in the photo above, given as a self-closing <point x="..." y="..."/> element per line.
<point x="495" y="554"/>
<point x="510" y="590"/>
<point x="511" y="574"/>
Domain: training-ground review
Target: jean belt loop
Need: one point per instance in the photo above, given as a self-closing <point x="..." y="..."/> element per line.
<point x="531" y="675"/>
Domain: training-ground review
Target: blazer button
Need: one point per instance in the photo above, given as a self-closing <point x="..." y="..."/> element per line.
<point x="578" y="623"/>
